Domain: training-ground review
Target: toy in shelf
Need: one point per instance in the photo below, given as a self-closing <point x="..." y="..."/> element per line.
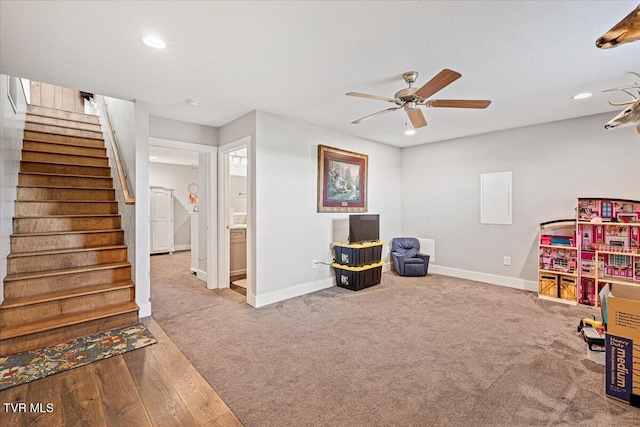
<point x="558" y="261"/>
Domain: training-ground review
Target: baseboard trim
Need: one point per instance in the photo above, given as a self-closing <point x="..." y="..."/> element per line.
<point x="202" y="275"/>
<point x="145" y="310"/>
<point x="294" y="291"/>
<point x="510" y="282"/>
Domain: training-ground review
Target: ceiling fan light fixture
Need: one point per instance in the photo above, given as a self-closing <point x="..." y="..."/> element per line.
<point x="583" y="95"/>
<point x="154" y="42"/>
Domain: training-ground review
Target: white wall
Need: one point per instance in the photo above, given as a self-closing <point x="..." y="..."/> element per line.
<point x="177" y="177"/>
<point x="552" y="165"/>
<point x="122" y="114"/>
<point x="143" y="263"/>
<point x="11" y="134"/>
<point x="159" y="127"/>
<point x="290" y="233"/>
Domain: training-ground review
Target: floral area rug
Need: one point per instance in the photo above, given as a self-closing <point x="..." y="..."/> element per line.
<point x="32" y="365"/>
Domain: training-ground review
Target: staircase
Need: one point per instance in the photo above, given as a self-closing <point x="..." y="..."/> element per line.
<point x="67" y="273"/>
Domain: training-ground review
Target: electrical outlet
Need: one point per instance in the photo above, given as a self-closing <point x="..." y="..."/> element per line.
<point x="314" y="264"/>
<point x="507" y="260"/>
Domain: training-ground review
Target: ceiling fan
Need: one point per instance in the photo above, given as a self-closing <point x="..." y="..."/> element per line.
<point x="410" y="98"/>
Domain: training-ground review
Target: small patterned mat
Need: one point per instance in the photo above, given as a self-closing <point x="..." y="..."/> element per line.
<point x="32" y="365"/>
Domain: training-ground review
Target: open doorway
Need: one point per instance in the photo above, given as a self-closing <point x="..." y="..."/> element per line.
<point x="237" y="193"/>
<point x="183" y="193"/>
<point x="234" y="205"/>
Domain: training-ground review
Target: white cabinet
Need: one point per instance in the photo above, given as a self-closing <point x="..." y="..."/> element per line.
<point x="161" y="220"/>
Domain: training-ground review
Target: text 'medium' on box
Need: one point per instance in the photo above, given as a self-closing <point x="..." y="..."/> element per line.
<point x="622" y="379"/>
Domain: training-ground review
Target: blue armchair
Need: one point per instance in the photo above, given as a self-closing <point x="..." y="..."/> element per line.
<point x="407" y="259"/>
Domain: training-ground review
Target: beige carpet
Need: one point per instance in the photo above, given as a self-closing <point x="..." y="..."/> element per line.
<point x="432" y="351"/>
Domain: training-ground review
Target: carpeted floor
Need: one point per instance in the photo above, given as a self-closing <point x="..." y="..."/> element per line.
<point x="434" y="351"/>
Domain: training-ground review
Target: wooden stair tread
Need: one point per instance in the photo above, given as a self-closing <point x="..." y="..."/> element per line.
<point x="61" y="201"/>
<point x="65" y="164"/>
<point x="65" y="175"/>
<point x="59" y="295"/>
<point x="64" y="251"/>
<point x="54" y="113"/>
<point x="66" y="216"/>
<point x="67" y="320"/>
<point x="59" y="130"/>
<point x="95" y="156"/>
<point x="65" y="233"/>
<point x="63" y="271"/>
<point x="62" y="187"/>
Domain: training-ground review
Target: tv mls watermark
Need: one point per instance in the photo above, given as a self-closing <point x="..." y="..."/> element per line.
<point x="40" y="408"/>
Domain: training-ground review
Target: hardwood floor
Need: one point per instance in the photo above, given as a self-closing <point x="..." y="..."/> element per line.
<point x="153" y="386"/>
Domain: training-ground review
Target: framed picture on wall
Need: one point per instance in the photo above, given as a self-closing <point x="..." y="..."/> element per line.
<point x="342" y="180"/>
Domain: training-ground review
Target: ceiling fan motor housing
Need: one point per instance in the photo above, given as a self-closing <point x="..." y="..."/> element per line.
<point x="406" y="95"/>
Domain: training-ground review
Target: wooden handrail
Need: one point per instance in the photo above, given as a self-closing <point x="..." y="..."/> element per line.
<point x="128" y="198"/>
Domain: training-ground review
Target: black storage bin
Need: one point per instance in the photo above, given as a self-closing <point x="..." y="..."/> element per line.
<point x="358" y="254"/>
<point x="356" y="278"/>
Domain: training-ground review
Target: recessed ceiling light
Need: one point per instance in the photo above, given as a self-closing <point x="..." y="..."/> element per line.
<point x="583" y="95"/>
<point x="154" y="42"/>
<point x="409" y="132"/>
<point x="193" y="102"/>
<point x="153" y="157"/>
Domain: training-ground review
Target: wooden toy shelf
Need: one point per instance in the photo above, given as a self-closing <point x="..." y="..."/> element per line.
<point x="602" y="245"/>
<point x="558" y="261"/>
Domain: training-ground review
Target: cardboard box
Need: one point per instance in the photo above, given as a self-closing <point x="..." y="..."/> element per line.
<point x="622" y="343"/>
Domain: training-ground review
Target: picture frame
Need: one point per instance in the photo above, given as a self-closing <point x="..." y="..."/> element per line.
<point x="342" y="180"/>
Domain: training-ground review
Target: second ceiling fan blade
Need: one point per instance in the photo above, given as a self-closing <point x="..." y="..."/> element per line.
<point x="417" y="118"/>
<point x="459" y="103"/>
<point x="365" y="95"/>
<point x="441" y="80"/>
<point x="371" y="116"/>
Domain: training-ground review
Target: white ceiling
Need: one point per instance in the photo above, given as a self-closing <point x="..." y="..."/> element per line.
<point x="298" y="58"/>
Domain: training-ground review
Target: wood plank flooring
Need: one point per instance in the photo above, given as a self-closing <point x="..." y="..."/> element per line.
<point x="153" y="386"/>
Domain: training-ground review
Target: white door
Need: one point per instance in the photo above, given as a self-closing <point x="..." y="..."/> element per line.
<point x="161" y="220"/>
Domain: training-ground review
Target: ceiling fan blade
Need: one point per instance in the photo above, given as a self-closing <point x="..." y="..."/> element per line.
<point x="459" y="103"/>
<point x="371" y="116"/>
<point x="417" y="118"/>
<point x="440" y="81"/>
<point x="364" y="95"/>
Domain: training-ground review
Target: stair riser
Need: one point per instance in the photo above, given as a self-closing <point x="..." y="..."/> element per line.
<point x="63" y="123"/>
<point x="63" y="169"/>
<point x="55" y="130"/>
<point x="36" y="263"/>
<point x="64" y="208"/>
<point x="47" y="147"/>
<point x="29" y="342"/>
<point x="65" y="241"/>
<point x="43" y="225"/>
<point x="35" y="193"/>
<point x="63" y="282"/>
<point x="62" y="139"/>
<point x="29" y="180"/>
<point x="37" y="312"/>
<point x="64" y="158"/>
<point x="60" y="114"/>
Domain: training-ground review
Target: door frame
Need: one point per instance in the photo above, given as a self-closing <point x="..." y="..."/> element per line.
<point x="212" y="217"/>
<point x="223" y="207"/>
